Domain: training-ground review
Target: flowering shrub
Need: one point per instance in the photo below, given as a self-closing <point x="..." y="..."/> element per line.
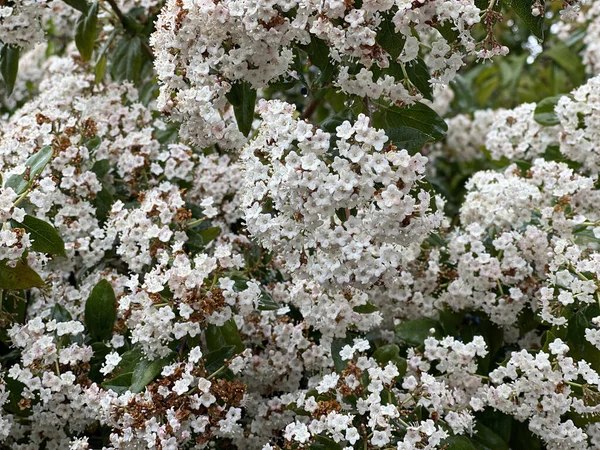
<point x="332" y="225"/>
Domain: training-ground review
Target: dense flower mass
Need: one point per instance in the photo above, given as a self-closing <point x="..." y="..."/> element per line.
<point x="300" y="225"/>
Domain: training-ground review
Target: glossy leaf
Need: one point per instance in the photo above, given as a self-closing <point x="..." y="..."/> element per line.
<point x="85" y="32"/>
<point x="79" y="5"/>
<point x="44" y="237"/>
<point x="100" y="311"/>
<point x="419" y="76"/>
<point x="127" y="59"/>
<point x="458" y="443"/>
<point x="390" y="41"/>
<point x="410" y="139"/>
<point x="9" y="66"/>
<point x="34" y="166"/>
<point x="490" y="440"/>
<point x="145" y="371"/>
<point x="544" y="111"/>
<point x="523" y="9"/>
<point x="243" y="99"/>
<point x="418" y="116"/>
<point x="214" y="360"/>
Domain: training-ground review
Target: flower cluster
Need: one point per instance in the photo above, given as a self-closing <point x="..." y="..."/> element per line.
<point x="345" y="214"/>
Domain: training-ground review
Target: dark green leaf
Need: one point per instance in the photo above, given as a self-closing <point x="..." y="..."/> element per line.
<point x="336" y="347"/>
<point x="85" y="32"/>
<point x="367" y="308"/>
<point x="458" y="443"/>
<point x="145" y="371"/>
<point x="9" y="66"/>
<point x="19" y="277"/>
<point x="544" y="112"/>
<point x="79" y="5"/>
<point x="580" y="347"/>
<point x="489" y="439"/>
<point x="197" y="240"/>
<point x="523" y="439"/>
<point x="498" y="422"/>
<point x="119" y="384"/>
<point x="214" y="360"/>
<point x="127" y="59"/>
<point x="34" y="166"/>
<point x="243" y="98"/>
<point x="214" y="338"/>
<point x="407" y="138"/>
<point x="523" y="9"/>
<point x="414" y="332"/>
<point x="418" y="74"/>
<point x="103" y="203"/>
<point x="44" y="237"/>
<point x="418" y="116"/>
<point x="391" y="353"/>
<point x="101" y="168"/>
<point x="100" y="311"/>
<point x="60" y="314"/>
<point x="318" y="53"/>
<point x="232" y="335"/>
<point x="390" y="41"/>
<point x="325" y="443"/>
<point x="266" y="302"/>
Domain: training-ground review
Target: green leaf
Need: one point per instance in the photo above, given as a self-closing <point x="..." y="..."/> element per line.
<point x="243" y="98"/>
<point x="213" y="361"/>
<point x="458" y="443"/>
<point x="367" y="308"/>
<point x="544" y="112"/>
<point x="318" y="53"/>
<point x="391" y="353"/>
<point x="579" y="347"/>
<point x="324" y="443"/>
<point x="19" y="277"/>
<point x="100" y="311"/>
<point x="414" y="332"/>
<point x="390" y="41"/>
<point x="266" y="302"/>
<point x="523" y="439"/>
<point x="60" y="314"/>
<point x="523" y="9"/>
<point x="100" y="70"/>
<point x="336" y="347"/>
<point x="498" y="422"/>
<point x="85" y="32"/>
<point x="569" y="61"/>
<point x="9" y="66"/>
<point x="418" y="116"/>
<point x="223" y="336"/>
<point x="44" y="237"/>
<point x="145" y="371"/>
<point x="198" y="240"/>
<point x="119" y="384"/>
<point x="34" y="166"/>
<point x="127" y="59"/>
<point x="419" y="76"/>
<point x="79" y="5"/>
<point x="490" y="440"/>
<point x="407" y="138"/>
<point x="103" y="203"/>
